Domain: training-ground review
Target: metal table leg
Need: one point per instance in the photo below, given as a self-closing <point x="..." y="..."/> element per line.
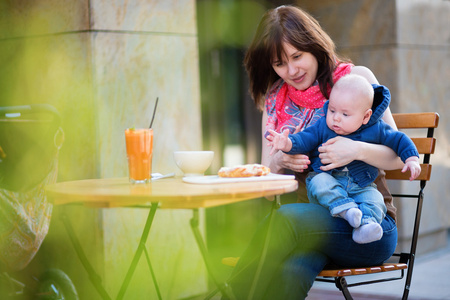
<point x="275" y="206"/>
<point x="95" y="278"/>
<point x="224" y="287"/>
<point x="138" y="254"/>
<point x="204" y="252"/>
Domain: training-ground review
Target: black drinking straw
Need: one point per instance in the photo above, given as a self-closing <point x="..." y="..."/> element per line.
<point x="154" y="110"/>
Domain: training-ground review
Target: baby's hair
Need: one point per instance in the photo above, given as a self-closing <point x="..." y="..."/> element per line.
<point x="356" y="84"/>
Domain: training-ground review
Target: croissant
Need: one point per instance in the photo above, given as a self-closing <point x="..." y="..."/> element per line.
<point x="247" y="170"/>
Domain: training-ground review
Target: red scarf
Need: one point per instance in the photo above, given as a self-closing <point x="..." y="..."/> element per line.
<point x="310" y="98"/>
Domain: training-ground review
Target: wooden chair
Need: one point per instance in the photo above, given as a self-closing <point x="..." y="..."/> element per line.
<point x="404" y="262"/>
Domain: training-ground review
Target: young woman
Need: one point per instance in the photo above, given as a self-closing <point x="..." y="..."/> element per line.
<point x="292" y="65"/>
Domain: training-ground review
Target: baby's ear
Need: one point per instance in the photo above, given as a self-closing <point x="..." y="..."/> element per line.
<point x="367" y="116"/>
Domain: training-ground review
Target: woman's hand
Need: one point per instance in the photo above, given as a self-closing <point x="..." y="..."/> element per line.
<point x="295" y="162"/>
<point x="281" y="161"/>
<point x="340" y="151"/>
<point x="337" y="152"/>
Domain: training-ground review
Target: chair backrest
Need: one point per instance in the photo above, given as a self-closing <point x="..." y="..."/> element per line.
<point x="425" y="145"/>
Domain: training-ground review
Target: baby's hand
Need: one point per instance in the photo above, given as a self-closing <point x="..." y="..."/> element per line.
<point x="412" y="164"/>
<point x="279" y="141"/>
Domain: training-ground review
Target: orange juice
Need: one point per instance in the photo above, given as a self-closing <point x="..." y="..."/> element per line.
<point x="139" y="143"/>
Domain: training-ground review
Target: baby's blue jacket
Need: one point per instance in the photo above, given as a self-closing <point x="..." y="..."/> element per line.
<point x="376" y="131"/>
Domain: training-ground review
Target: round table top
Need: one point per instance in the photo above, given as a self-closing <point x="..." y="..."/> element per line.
<point x="168" y="192"/>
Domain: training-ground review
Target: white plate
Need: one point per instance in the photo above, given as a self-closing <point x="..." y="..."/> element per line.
<point x="213" y="179"/>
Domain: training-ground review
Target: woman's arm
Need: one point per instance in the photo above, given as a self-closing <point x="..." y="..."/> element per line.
<point x="280" y="161"/>
<point x="340" y="151"/>
<point x="368" y="74"/>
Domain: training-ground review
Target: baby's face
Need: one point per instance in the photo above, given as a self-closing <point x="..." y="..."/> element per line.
<point x="345" y="113"/>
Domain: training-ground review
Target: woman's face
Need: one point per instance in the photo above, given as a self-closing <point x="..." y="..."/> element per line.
<point x="297" y="68"/>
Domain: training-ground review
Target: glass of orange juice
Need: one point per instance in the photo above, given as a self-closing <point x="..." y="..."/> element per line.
<point x="139" y="144"/>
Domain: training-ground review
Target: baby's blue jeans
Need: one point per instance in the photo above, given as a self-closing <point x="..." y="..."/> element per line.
<point x="338" y="192"/>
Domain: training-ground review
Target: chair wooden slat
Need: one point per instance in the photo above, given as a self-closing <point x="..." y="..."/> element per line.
<point x="387" y="268"/>
<point x="425" y="145"/>
<point x="343" y="273"/>
<point x="416" y="120"/>
<point x="359" y="271"/>
<point x="425" y="173"/>
<point x="375" y="269"/>
<point x="394" y="266"/>
<point x="232" y="261"/>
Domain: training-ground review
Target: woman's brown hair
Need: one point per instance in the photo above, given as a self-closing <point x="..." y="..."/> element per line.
<point x="294" y="26"/>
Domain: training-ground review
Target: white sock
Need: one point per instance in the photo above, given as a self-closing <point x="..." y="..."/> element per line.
<point x="368" y="233"/>
<point x="353" y="216"/>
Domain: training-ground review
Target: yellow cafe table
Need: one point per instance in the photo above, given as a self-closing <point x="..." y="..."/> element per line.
<point x="167" y="193"/>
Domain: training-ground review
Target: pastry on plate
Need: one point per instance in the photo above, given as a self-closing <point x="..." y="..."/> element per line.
<point x="247" y="170"/>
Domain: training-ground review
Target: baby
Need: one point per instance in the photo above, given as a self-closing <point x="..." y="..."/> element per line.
<point x="354" y="110"/>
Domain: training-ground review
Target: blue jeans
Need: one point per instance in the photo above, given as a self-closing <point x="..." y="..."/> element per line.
<point x="304" y="238"/>
<point x="338" y="192"/>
